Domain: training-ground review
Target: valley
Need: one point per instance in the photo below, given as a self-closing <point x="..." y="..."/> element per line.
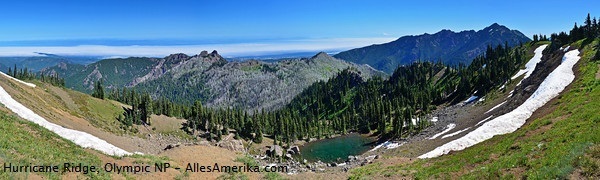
<point x="497" y="106"/>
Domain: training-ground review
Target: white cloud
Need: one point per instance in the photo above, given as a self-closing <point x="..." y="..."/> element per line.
<point x="239" y="49"/>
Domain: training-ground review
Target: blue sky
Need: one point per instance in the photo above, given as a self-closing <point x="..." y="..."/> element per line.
<point x="176" y="22"/>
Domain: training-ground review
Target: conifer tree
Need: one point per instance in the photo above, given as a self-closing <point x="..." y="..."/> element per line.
<point x="98" y="90"/>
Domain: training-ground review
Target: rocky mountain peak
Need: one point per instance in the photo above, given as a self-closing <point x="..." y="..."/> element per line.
<point x="495" y="26"/>
<point x="203" y="53"/>
<point x="213" y="57"/>
<point x="177" y="57"/>
<point x="321" y="55"/>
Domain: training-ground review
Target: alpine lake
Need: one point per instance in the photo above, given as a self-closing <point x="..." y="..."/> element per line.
<point x="336" y="149"/>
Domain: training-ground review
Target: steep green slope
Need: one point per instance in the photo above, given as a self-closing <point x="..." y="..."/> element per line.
<point x="114" y="72"/>
<point x="23" y="142"/>
<point x="562" y="143"/>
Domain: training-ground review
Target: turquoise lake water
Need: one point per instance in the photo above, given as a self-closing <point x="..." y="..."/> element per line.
<point x="336" y="149"/>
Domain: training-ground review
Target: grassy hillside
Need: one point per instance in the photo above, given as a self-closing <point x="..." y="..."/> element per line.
<point x="562" y="141"/>
<point x="23" y="142"/>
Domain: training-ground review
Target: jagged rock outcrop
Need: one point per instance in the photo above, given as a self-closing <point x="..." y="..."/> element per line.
<point x="210" y="78"/>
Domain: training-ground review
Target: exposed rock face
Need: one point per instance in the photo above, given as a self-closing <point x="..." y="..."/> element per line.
<point x="250" y="85"/>
<point x="177" y="57"/>
<point x="208" y="77"/>
<point x="62" y="65"/>
<point x="275" y="151"/>
<point x="233" y="145"/>
<point x="92" y="78"/>
<point x="295" y="149"/>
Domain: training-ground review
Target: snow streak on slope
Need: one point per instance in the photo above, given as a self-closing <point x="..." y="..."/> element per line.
<point x="80" y="138"/>
<point x="455" y="133"/>
<point x="497" y="106"/>
<point x="530" y="66"/>
<point x="18" y="80"/>
<point x="551" y="86"/>
<point x="484" y="120"/>
<point x="448" y="128"/>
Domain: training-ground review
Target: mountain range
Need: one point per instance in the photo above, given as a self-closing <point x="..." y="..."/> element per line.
<point x="44" y="60"/>
<point x="255" y="85"/>
<point x="448" y="46"/>
<point x="210" y="78"/>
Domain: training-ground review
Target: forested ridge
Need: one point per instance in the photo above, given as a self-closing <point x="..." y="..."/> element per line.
<point x="393" y="107"/>
<point x="27" y="74"/>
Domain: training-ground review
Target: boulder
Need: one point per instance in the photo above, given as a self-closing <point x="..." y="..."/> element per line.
<point x="352" y="158"/>
<point x="171" y="146"/>
<point x="275" y="151"/>
<point x="289" y="151"/>
<point x="296" y="149"/>
<point x="370" y="158"/>
<point x="233" y="145"/>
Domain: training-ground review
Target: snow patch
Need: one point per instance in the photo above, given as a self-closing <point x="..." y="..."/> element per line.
<point x="387" y="145"/>
<point x="484" y="120"/>
<point x="566" y="49"/>
<point x="414" y="121"/>
<point x="393" y="145"/>
<point x="455" y="133"/>
<point x="495" y="107"/>
<point x="471" y="99"/>
<point x="18" y="80"/>
<point x="448" y="128"/>
<point x="434" y="119"/>
<point x="502" y="87"/>
<point x="530" y="66"/>
<point x="552" y="85"/>
<point x="379" y="146"/>
<point x="80" y="138"/>
<point x="510" y="93"/>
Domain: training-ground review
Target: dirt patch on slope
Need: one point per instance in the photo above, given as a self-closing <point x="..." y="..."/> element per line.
<point x="205" y="156"/>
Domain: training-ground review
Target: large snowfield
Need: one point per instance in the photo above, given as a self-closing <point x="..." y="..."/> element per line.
<point x="551" y="86"/>
<point x="80" y="138"/>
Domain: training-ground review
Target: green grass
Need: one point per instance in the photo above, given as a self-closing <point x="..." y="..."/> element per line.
<point x="23" y="142"/>
<point x="551" y="147"/>
<point x="100" y="113"/>
<point x="252" y="68"/>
